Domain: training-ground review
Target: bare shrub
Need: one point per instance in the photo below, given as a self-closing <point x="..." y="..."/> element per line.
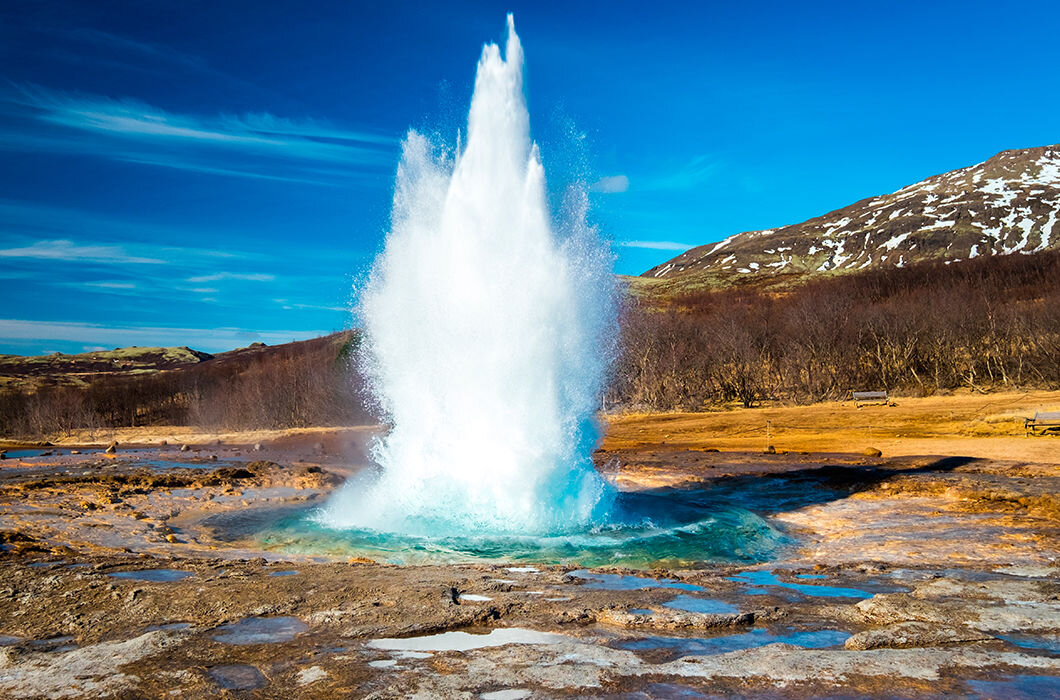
<point x="985" y="323"/>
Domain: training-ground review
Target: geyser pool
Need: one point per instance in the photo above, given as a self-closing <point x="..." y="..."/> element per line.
<point x="488" y="332"/>
<point x="673" y="529"/>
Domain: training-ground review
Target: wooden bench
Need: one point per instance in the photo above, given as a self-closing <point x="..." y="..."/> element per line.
<point x="862" y="398"/>
<point x="1042" y="422"/>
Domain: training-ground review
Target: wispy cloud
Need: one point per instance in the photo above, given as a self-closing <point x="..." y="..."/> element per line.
<point x="135" y="48"/>
<point x="611" y="184"/>
<point x="95" y="253"/>
<point x="272" y="125"/>
<point x="216" y="277"/>
<point x="290" y="306"/>
<point x="66" y="250"/>
<point x="315" y="176"/>
<point x="135" y="119"/>
<point x="683" y="176"/>
<point x="655" y="245"/>
<point x="47" y="232"/>
<point x="111" y="285"/>
<point x="256" y="145"/>
<point x="210" y="339"/>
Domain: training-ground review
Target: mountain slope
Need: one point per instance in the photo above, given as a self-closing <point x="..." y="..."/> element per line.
<point x="1008" y="204"/>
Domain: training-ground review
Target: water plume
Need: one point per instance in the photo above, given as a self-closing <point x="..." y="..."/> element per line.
<point x="487" y="330"/>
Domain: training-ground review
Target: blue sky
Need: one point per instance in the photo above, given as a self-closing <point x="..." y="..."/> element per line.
<point x="211" y="174"/>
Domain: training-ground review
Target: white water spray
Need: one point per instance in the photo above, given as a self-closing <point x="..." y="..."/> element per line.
<point x="487" y="336"/>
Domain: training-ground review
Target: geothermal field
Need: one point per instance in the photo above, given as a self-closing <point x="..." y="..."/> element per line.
<point x="815" y="571"/>
<point x="532" y="500"/>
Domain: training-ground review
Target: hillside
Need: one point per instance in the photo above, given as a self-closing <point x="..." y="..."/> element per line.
<point x="309" y="382"/>
<point x="1008" y="204"/>
<point x="60" y="368"/>
<point x="987" y="324"/>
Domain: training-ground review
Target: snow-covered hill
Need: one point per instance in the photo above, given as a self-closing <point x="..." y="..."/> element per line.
<point x="1008" y="204"/>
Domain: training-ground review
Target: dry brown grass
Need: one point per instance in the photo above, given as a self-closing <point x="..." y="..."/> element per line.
<point x="972" y="425"/>
<point x="189" y="435"/>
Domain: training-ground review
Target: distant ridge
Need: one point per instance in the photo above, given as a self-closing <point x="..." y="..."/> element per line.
<point x="1007" y="204"/>
<point x="29" y="373"/>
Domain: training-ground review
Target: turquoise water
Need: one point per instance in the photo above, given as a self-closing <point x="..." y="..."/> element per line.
<point x="1049" y="643"/>
<point x="762" y="581"/>
<point x="676" y="647"/>
<point x="153" y="575"/>
<point x="644" y="531"/>
<point x="707" y="606"/>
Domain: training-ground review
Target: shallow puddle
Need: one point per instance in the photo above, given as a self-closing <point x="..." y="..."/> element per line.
<point x="383" y="663"/>
<point x="153" y="575"/>
<point x="464" y="641"/>
<point x="673" y="690"/>
<point x="283" y="573"/>
<point x="707" y="606"/>
<point x="260" y="630"/>
<point x="1042" y="642"/>
<point x="238" y="677"/>
<point x="1018" y="688"/>
<point x="676" y="647"/>
<point x="24" y="454"/>
<point x="55" y="644"/>
<point x="761" y="581"/>
<point x="617" y="582"/>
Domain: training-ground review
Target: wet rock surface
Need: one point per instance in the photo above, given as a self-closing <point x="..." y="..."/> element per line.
<point x="904" y="635"/>
<point x="907" y="577"/>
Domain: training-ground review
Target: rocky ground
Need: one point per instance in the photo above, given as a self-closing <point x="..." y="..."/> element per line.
<point x="137" y="574"/>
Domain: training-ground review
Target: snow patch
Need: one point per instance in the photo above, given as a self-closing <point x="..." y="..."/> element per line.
<point x="896" y="241"/>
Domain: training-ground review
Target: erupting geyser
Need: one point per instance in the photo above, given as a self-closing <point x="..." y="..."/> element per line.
<point x="487" y="331"/>
<point x="487" y="334"/>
